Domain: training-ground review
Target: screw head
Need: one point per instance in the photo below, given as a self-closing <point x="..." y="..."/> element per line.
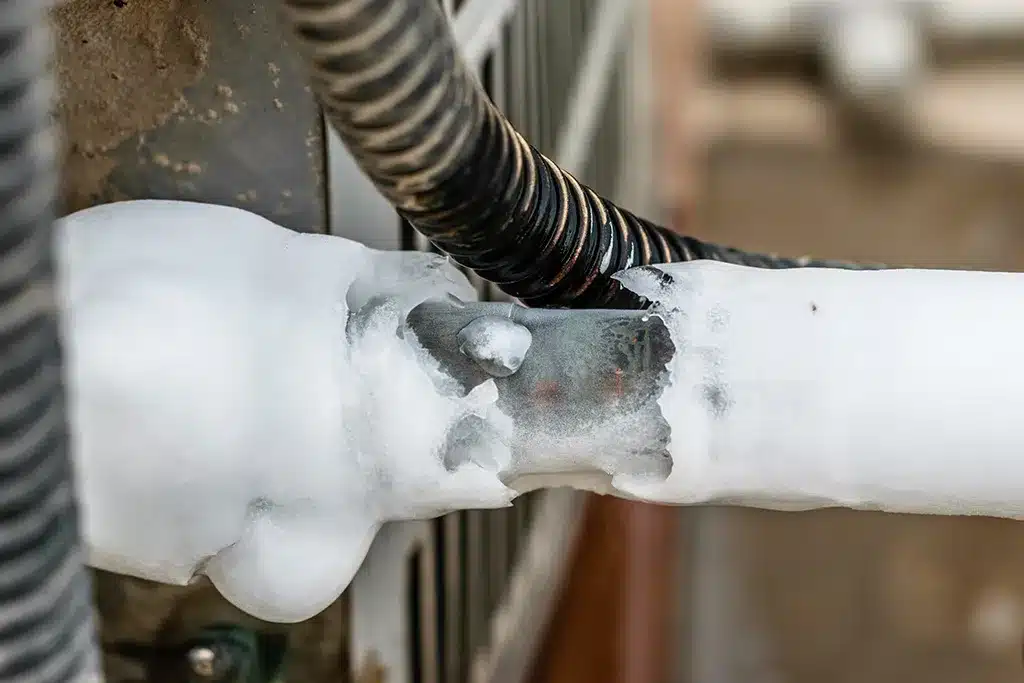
<point x="203" y="661"/>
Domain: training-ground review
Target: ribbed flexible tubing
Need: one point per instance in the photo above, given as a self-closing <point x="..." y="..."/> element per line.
<point x="46" y="624"/>
<point x="419" y="124"/>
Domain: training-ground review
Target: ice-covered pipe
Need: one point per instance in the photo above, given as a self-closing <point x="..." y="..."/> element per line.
<point x="897" y="390"/>
<point x="252" y="403"/>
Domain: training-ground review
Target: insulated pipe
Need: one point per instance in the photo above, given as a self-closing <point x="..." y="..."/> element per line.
<point x="894" y="389"/>
<point x="394" y="87"/>
<point x="45" y="602"/>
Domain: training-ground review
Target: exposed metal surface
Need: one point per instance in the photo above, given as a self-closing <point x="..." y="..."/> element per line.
<point x="621" y="352"/>
<point x="585" y="369"/>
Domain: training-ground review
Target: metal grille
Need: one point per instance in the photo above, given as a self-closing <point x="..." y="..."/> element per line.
<point x="465" y="597"/>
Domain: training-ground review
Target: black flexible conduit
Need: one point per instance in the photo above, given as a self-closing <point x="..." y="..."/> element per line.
<point x="391" y="81"/>
<point x="46" y="629"/>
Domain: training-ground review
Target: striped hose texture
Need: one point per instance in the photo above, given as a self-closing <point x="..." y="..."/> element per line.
<point x="419" y="124"/>
<point x="46" y="625"/>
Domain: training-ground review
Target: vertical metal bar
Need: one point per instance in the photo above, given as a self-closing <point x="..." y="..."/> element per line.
<point x="559" y="62"/>
<point x="356" y="210"/>
<point x="635" y="182"/>
<point x="479" y="25"/>
<point x="544" y="51"/>
<point x="533" y="97"/>
<point x="518" y="52"/>
<point x="466" y="571"/>
<point x="532" y="591"/>
<point x="476" y="581"/>
<point x="497" y="557"/>
<point x="430" y="664"/>
<point x="499" y="77"/>
<point x="518" y="536"/>
<point x="380" y="627"/>
<point x="454" y="648"/>
<point x="604" y="44"/>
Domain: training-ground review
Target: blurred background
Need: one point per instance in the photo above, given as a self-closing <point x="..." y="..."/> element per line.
<point x="883" y="130"/>
<point x="888" y="131"/>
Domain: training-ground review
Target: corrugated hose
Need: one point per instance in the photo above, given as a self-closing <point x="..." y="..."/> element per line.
<point x="46" y="625"/>
<point x="390" y="78"/>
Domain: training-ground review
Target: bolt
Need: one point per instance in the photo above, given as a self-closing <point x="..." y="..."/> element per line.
<point x="203" y="661"/>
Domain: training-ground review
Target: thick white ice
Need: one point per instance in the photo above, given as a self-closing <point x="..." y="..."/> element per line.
<point x="242" y="406"/>
<point x="899" y="390"/>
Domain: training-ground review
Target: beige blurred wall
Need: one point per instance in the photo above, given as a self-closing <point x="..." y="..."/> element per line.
<point x="678" y="72"/>
<point x="849" y="596"/>
<point x="838" y="596"/>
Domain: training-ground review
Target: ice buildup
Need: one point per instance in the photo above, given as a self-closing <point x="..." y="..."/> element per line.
<point x="243" y="405"/>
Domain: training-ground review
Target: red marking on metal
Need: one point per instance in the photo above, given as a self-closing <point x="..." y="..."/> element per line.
<point x="547" y="391"/>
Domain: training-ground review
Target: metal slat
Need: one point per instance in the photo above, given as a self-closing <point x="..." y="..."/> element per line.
<point x="603" y="50"/>
<point x="497" y="558"/>
<point x="479" y="26"/>
<point x="558" y="62"/>
<point x="429" y="671"/>
<point x="545" y="135"/>
<point x="449" y="548"/>
<point x="475" y="581"/>
<point x="531" y="19"/>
